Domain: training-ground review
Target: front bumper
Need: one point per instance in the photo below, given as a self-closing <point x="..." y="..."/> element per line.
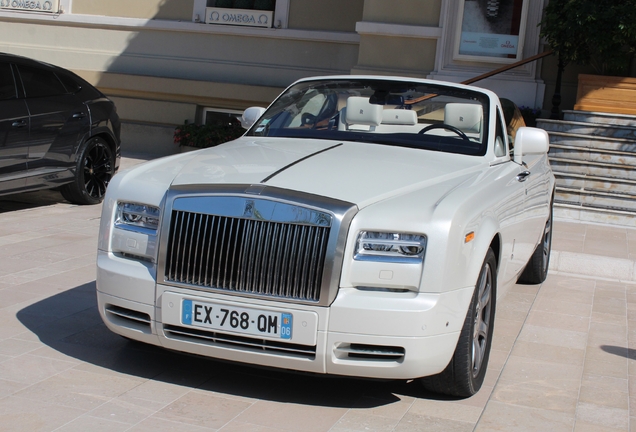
<point x="362" y="333"/>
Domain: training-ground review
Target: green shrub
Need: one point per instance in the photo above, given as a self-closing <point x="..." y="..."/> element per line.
<point x="601" y="33"/>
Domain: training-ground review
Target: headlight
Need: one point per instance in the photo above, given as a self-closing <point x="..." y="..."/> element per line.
<point x="137" y="217"/>
<point x="389" y="246"/>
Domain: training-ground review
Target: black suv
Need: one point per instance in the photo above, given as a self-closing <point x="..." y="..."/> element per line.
<point x="56" y="130"/>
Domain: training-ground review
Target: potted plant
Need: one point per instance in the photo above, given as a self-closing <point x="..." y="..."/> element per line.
<point x="602" y="34"/>
<point x="195" y="136"/>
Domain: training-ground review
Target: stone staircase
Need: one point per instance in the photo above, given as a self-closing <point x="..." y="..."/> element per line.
<point x="593" y="157"/>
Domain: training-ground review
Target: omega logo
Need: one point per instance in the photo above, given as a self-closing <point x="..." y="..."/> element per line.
<point x="27" y="4"/>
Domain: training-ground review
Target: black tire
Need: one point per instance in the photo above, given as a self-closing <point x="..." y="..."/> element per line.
<point x="536" y="270"/>
<point x="465" y="373"/>
<point x="95" y="167"/>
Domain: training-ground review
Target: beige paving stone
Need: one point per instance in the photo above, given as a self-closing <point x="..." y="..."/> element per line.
<point x="602" y="415"/>
<point x="582" y="426"/>
<point x="360" y="420"/>
<point x="392" y="410"/>
<point x="552" y="305"/>
<point x="93" y="424"/>
<point x="558" y="321"/>
<point x="568" y="244"/>
<point x="562" y="377"/>
<point x="204" y="410"/>
<point x="549" y="353"/>
<point x="248" y="427"/>
<point x="8" y="388"/>
<point x="611" y="369"/>
<point x="605" y="391"/>
<point x="14" y="347"/>
<point x="125" y="410"/>
<point x="444" y="409"/>
<point x="416" y="423"/>
<point x="610" y="305"/>
<point x="609" y="318"/>
<point x="29" y="369"/>
<point x="556" y="337"/>
<point x="292" y="416"/>
<point x="156" y="424"/>
<point x="17" y="414"/>
<point x="505" y="417"/>
<point x="78" y="389"/>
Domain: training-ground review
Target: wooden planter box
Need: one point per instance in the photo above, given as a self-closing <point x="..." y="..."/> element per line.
<point x="606" y="94"/>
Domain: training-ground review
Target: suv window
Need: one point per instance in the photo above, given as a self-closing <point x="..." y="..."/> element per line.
<point x="7" y="85"/>
<point x="40" y="82"/>
<point x="71" y="85"/>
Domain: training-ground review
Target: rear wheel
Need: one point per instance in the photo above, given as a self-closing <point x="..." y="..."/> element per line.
<point x="536" y="270"/>
<point x="95" y="168"/>
<point x="465" y="373"/>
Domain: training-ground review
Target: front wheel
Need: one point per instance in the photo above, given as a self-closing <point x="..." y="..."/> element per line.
<point x="465" y="373"/>
<point x="95" y="168"/>
<point x="536" y="270"/>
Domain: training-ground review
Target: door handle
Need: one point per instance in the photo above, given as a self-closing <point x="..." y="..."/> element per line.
<point x="19" y="124"/>
<point x="79" y="115"/>
<point x="523" y="176"/>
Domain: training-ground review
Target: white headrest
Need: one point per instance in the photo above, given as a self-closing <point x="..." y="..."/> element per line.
<point x="361" y="112"/>
<point x="465" y="117"/>
<point x="399" y="117"/>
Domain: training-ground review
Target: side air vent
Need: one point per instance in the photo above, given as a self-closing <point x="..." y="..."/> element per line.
<point x="369" y="352"/>
<point x="128" y="318"/>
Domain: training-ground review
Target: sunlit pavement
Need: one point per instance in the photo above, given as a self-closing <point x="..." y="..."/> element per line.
<point x="562" y="358"/>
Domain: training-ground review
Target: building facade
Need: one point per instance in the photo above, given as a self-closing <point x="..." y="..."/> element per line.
<point x="167" y="61"/>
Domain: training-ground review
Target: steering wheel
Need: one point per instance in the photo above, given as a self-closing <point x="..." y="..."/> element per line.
<point x="444" y="126"/>
<point x="307" y="119"/>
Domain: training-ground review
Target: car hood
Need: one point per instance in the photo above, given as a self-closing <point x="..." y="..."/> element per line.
<point x="359" y="173"/>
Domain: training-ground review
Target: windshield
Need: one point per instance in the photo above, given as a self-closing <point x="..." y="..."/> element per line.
<point x="408" y="114"/>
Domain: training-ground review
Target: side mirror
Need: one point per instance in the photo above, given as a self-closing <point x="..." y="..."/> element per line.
<point x="250" y="116"/>
<point x="530" y="141"/>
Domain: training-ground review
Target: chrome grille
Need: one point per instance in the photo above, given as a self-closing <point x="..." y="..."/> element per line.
<point x="245" y="255"/>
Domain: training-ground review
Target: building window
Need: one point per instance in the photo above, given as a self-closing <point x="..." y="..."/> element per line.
<point x="221" y="117"/>
<point x="266" y="5"/>
<point x="491" y="28"/>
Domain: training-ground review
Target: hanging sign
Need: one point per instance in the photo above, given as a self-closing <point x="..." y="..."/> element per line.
<point x="241" y="17"/>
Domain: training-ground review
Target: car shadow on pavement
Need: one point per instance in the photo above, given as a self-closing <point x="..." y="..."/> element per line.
<point x="29" y="200"/>
<point x="69" y="323"/>
<point x="628" y="353"/>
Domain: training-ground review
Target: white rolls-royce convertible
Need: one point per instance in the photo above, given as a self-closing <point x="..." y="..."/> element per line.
<point x="363" y="226"/>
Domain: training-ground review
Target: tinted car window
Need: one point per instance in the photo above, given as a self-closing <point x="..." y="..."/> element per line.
<point x="40" y="82"/>
<point x="71" y="85"/>
<point x="7" y="85"/>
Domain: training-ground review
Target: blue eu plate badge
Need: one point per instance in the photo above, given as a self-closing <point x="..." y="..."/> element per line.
<point x="186" y="312"/>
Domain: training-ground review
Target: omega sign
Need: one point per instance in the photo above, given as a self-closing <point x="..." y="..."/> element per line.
<point x="31" y="5"/>
<point x="241" y="17"/>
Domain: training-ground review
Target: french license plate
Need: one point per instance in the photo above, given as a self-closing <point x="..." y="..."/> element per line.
<point x="236" y="319"/>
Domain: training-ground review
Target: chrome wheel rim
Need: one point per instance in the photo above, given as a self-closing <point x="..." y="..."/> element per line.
<point x="547" y="242"/>
<point x="98" y="170"/>
<point x="483" y="316"/>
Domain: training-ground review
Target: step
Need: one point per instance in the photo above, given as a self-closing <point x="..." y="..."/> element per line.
<point x="594" y="183"/>
<point x="599" y="169"/>
<point x="599" y="117"/>
<point x="587" y="129"/>
<point x="590" y="214"/>
<point x="599" y="200"/>
<point x="590" y="141"/>
<point x="587" y="154"/>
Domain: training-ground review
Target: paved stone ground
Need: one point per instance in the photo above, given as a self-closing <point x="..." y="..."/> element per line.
<point x="563" y="357"/>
